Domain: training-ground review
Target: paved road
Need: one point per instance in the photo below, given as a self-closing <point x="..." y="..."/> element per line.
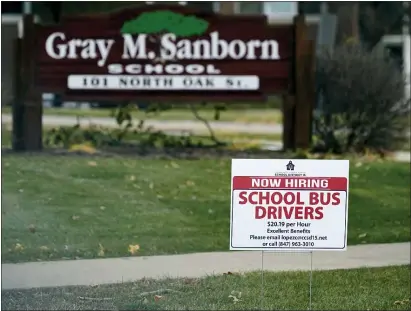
<point x="105" y="271"/>
<point x="164" y="125"/>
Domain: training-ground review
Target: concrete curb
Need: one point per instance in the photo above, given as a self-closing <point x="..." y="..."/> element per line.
<point x="106" y="271"/>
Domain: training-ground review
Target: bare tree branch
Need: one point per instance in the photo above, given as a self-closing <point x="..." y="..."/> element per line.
<point x="200" y="118"/>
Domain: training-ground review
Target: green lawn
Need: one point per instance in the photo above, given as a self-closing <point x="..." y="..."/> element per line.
<point x="357" y="289"/>
<point x="262" y="115"/>
<point x="56" y="207"/>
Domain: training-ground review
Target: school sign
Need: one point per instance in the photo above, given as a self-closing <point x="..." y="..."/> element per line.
<point x="165" y="53"/>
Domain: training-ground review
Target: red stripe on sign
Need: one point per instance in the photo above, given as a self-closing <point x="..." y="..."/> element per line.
<point x="312" y="183"/>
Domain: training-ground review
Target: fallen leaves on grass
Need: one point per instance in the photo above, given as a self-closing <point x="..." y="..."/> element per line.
<point x="157" y="297"/>
<point x="402" y="302"/>
<point x="86" y="148"/>
<point x="44" y="248"/>
<point x="190" y="183"/>
<point x="235" y="299"/>
<point x="229" y="273"/>
<point x="174" y="165"/>
<point x="102" y="208"/>
<point x="32" y="228"/>
<point x="158" y="292"/>
<point x="133" y="249"/>
<point x="75" y="217"/>
<point x="92" y="163"/>
<point x="235" y="295"/>
<point x="244" y="145"/>
<point x="101" y="251"/>
<point x="362" y="235"/>
<point x="18" y="247"/>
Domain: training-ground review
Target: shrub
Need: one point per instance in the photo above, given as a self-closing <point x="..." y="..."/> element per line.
<point x="362" y="101"/>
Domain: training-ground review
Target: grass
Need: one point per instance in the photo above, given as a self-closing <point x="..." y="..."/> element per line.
<point x="56" y="207"/>
<point x="358" y="289"/>
<point x="266" y="115"/>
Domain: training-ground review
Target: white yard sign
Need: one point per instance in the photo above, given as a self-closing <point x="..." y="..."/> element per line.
<point x="289" y="205"/>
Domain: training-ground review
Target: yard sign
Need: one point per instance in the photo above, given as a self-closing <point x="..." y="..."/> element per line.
<point x="299" y="205"/>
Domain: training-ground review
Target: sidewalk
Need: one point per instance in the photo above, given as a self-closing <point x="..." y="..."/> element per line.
<point x="104" y="271"/>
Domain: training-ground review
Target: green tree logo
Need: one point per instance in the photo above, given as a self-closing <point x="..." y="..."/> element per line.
<point x="165" y="21"/>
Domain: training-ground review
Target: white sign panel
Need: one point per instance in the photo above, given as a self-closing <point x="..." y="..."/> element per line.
<point x="299" y="205"/>
<point x="163" y="82"/>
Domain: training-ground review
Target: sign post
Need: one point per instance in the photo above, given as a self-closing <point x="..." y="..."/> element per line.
<point x="289" y="205"/>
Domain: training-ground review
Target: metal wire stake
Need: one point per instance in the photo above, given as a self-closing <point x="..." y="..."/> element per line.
<point x="311" y="280"/>
<point x="262" y="279"/>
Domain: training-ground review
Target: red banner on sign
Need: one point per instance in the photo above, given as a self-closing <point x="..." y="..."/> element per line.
<point x="309" y="183"/>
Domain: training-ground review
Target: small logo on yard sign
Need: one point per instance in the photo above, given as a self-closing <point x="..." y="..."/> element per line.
<point x="290" y="171"/>
<point x="290" y="166"/>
